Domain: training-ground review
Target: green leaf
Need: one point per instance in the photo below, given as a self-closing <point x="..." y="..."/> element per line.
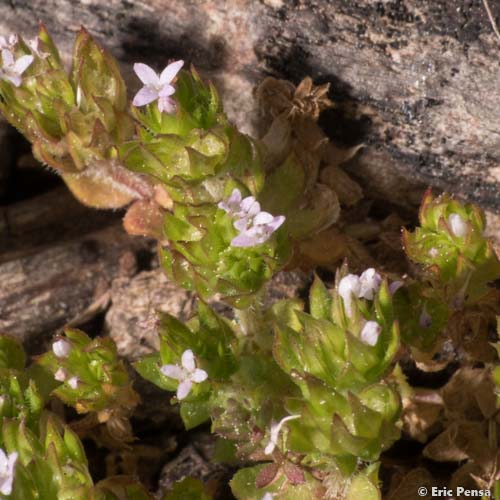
<point x="148" y="367"/>
<point x="188" y="488"/>
<point x="11" y="353"/>
<point x="320" y="300"/>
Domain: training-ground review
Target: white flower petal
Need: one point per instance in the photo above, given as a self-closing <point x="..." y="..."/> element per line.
<point x="166" y="105"/>
<point x="235" y="198"/>
<point x="370" y="282"/>
<point x="244" y="240"/>
<point x="166" y="91"/>
<point x="263" y="218"/>
<point x="61" y="348"/>
<point x="241" y="224"/>
<point x="7" y="58"/>
<point x="274" y="432"/>
<point x="146" y="74"/>
<point x="60" y="375"/>
<point x="457" y="225"/>
<point x="188" y="360"/>
<point x="22" y="64"/>
<point x="370" y="333"/>
<point x="170" y="72"/>
<point x="199" y="375"/>
<point x="184" y="389"/>
<point x="250" y="206"/>
<point x="7" y="466"/>
<point x="349" y="285"/>
<point x="173" y="371"/>
<point x="145" y="96"/>
<point x="276" y="222"/>
<point x="15" y="79"/>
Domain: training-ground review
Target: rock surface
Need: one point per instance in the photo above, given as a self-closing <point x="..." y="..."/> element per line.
<point x="416" y="80"/>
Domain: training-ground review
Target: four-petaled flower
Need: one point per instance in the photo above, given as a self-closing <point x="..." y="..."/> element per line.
<point x="370" y="333"/>
<point x="457" y="225"/>
<point x="157" y="87"/>
<point x="274" y="433"/>
<point x="12" y="70"/>
<point x="254" y="226"/>
<point x="61" y="348"/>
<point x="7" y="464"/>
<point x="187" y="374"/>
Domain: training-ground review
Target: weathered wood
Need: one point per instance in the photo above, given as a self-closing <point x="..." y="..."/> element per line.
<point x="40" y="293"/>
<point x="417" y="80"/>
<point x="51" y="218"/>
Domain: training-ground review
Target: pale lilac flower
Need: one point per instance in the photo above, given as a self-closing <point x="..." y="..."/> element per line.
<point x="242" y="209"/>
<point x="349" y="285"/>
<point x="267" y="496"/>
<point x="369" y="283"/>
<point x="254" y="226"/>
<point x="457" y="225"/>
<point x="258" y="231"/>
<point x="60" y="375"/>
<point x="187" y="374"/>
<point x="8" y="43"/>
<point x="34" y="45"/>
<point x="370" y="333"/>
<point x="73" y="382"/>
<point x="12" y="70"/>
<point x="274" y="433"/>
<point x="157" y="87"/>
<point x="7" y="465"/>
<point x="61" y="348"/>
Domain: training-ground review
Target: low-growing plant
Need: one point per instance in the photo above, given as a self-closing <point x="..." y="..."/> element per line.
<point x="303" y="395"/>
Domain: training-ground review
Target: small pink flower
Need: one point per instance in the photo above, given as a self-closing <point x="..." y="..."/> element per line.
<point x="254" y="226"/>
<point x="187" y="374"/>
<point x="12" y="70"/>
<point x="157" y="87"/>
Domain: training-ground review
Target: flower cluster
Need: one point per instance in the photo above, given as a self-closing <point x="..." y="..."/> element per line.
<point x="254" y="225"/>
<point x="61" y="349"/>
<point x="363" y="286"/>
